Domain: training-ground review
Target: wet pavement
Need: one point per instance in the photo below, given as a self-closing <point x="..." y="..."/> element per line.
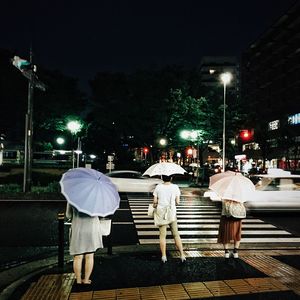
<point x="127" y="274"/>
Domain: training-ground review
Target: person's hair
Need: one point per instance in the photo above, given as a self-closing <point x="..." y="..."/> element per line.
<point x="166" y="178"/>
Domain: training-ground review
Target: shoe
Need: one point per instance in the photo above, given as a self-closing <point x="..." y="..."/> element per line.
<point x="183" y="258"/>
<point x="227" y="254"/>
<point x="235" y="255"/>
<point x="163" y="259"/>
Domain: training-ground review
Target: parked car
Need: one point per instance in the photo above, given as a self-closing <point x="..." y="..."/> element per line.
<point x="273" y="192"/>
<point x="133" y="181"/>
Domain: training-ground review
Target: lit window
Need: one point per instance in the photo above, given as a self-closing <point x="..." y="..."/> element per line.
<point x="274" y="125"/>
<point x="294" y="119"/>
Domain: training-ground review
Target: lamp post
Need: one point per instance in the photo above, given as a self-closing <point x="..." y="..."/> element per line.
<point x="75" y="127"/>
<point x="193" y="135"/>
<point x="162" y="145"/>
<point x="225" y="78"/>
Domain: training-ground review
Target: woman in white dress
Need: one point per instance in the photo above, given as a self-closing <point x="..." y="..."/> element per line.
<point x="85" y="239"/>
<point x="166" y="196"/>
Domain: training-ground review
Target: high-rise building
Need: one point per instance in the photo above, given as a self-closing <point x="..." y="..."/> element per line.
<point x="271" y="89"/>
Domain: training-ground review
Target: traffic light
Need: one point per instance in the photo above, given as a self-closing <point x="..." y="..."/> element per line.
<point x="189" y="151"/>
<point x="28" y="70"/>
<point x="246" y="135"/>
<point x="146" y="150"/>
<point x="22" y="64"/>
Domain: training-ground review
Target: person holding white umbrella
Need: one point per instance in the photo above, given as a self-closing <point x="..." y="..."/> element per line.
<point x="166" y="197"/>
<point x="234" y="189"/>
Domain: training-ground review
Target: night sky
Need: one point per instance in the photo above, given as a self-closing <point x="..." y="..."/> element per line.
<point x="83" y="37"/>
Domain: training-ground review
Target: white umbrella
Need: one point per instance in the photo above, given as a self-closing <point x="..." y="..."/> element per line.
<point x="90" y="191"/>
<point x="216" y="177"/>
<point x="164" y="168"/>
<point x="235" y="187"/>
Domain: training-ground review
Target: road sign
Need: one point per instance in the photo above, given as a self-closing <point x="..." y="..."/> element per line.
<point x="110" y="166"/>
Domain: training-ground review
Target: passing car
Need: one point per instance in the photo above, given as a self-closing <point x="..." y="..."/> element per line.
<point x="273" y="193"/>
<point x="133" y="181"/>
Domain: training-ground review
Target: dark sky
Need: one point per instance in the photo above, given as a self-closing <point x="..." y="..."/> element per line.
<point x="83" y="37"/>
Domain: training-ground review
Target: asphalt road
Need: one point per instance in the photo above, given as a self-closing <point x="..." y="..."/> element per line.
<point x="30" y="228"/>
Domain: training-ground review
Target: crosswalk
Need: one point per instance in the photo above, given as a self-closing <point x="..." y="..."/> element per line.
<point x="198" y="222"/>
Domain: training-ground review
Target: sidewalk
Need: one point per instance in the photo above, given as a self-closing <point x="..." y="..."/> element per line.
<point x="136" y="272"/>
<point x="131" y="274"/>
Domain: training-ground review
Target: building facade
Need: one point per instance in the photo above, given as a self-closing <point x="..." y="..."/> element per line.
<point x="211" y="67"/>
<point x="270" y="90"/>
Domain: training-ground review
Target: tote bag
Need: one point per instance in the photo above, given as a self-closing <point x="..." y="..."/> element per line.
<point x="234" y="209"/>
<point x="105" y="226"/>
<point x="151" y="210"/>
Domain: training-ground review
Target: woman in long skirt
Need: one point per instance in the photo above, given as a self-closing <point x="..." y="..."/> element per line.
<point x="230" y="230"/>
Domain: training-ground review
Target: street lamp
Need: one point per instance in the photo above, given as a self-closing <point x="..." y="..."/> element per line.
<point x="163" y="142"/>
<point x="60" y="141"/>
<point x="225" y="78"/>
<point x="75" y="127"/>
<point x="193" y="135"/>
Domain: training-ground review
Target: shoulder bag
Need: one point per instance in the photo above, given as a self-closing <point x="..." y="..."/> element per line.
<point x="234" y="209"/>
<point x="151" y="210"/>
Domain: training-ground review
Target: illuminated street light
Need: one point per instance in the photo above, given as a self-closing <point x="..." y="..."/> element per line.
<point x="75" y="127"/>
<point x="60" y="141"/>
<point x="225" y="78"/>
<point x="194" y="136"/>
<point x="163" y="142"/>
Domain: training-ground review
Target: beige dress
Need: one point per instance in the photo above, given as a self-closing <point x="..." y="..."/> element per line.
<point x="85" y="234"/>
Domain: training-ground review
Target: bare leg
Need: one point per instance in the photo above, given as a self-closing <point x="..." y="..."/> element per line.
<point x="235" y="250"/>
<point x="162" y="242"/>
<point x="77" y="266"/>
<point x="178" y="244"/>
<point x="177" y="240"/>
<point x="163" y="245"/>
<point x="226" y="246"/>
<point x="89" y="264"/>
<point x="237" y="244"/>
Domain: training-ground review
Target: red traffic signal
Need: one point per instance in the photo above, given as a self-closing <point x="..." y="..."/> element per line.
<point x="245" y="134"/>
<point x="189" y="151"/>
<point x="146" y="150"/>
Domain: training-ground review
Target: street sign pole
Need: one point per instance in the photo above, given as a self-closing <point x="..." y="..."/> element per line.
<point x="28" y="70"/>
<point x="28" y="134"/>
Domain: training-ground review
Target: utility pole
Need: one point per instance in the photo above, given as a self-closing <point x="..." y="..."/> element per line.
<point x="28" y="70"/>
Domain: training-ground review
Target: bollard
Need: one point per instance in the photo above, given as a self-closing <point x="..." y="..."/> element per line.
<point x="61" y="234"/>
<point x="109" y="239"/>
<point x="109" y="245"/>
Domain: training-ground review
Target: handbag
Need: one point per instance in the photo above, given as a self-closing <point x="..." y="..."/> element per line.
<point x="234" y="209"/>
<point x="104" y="226"/>
<point x="151" y="209"/>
